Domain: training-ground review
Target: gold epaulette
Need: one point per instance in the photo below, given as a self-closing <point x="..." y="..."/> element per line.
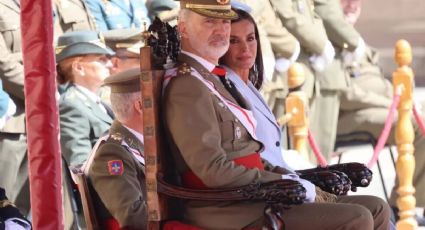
<point x="184" y="69"/>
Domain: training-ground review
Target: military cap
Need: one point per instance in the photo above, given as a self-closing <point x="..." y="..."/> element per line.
<point x="128" y="39"/>
<point x="77" y="43"/>
<point x="210" y="8"/>
<point x="124" y="82"/>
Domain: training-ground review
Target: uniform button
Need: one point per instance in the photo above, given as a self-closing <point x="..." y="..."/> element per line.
<point x="236" y="120"/>
<point x="277" y="143"/>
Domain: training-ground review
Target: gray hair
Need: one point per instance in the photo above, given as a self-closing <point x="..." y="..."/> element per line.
<point x="122" y="104"/>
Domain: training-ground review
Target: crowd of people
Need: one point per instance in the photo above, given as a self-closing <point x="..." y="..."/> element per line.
<point x="222" y="132"/>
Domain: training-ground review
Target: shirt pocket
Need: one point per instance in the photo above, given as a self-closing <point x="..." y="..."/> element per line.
<point x="10" y="30"/>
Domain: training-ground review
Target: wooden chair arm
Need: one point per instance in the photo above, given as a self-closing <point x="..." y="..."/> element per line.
<point x="286" y="192"/>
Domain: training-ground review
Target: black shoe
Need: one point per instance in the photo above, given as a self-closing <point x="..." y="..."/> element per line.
<point x="395" y="217"/>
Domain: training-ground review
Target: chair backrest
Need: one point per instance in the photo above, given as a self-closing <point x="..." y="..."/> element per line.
<point x="86" y="199"/>
<point x="151" y="85"/>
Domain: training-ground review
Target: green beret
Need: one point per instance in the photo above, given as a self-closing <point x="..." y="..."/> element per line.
<point x="78" y="43"/>
<point x="124" y="82"/>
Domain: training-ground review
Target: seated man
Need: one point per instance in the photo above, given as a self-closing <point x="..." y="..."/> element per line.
<point x="365" y="104"/>
<point x="211" y="132"/>
<point x="116" y="167"/>
<point x="126" y="44"/>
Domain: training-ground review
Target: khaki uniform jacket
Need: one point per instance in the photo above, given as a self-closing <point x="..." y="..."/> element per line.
<point x="124" y="196"/>
<point x="11" y="67"/>
<point x="368" y="88"/>
<point x="82" y="122"/>
<point x="301" y="21"/>
<point x="340" y="32"/>
<point x="202" y="133"/>
<point x="72" y="15"/>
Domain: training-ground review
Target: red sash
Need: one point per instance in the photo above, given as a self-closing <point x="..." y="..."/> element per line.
<point x="190" y="180"/>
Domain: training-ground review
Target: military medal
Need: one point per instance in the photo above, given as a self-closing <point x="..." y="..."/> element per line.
<point x="238" y="133"/>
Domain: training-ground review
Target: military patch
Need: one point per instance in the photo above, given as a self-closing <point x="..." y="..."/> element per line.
<point x="115" y="167"/>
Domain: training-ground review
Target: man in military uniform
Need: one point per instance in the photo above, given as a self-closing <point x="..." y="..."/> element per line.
<point x="118" y="14"/>
<point x="72" y="15"/>
<point x="116" y="167"/>
<point x="365" y="104"/>
<point x="211" y="135"/>
<point x="317" y="54"/>
<point x="13" y="146"/>
<point x="126" y="44"/>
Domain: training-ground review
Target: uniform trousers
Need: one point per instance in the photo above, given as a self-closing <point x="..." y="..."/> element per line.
<point x="14" y="169"/>
<point x="349" y="212"/>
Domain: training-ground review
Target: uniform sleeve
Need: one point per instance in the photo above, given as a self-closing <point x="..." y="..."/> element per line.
<point x="299" y="19"/>
<point x="122" y="193"/>
<point x="75" y="133"/>
<point x="194" y="128"/>
<point x="11" y="71"/>
<point x="283" y="43"/>
<point x="339" y="31"/>
<point x="95" y="8"/>
<point x="355" y="98"/>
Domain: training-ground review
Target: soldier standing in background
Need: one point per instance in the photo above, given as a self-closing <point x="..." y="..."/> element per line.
<point x="13" y="139"/>
<point x="72" y="15"/>
<point x="316" y="55"/>
<point x="118" y="14"/>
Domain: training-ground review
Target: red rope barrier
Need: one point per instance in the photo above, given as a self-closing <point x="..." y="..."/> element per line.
<point x="386" y="131"/>
<point x="316" y="150"/>
<point x="419" y="120"/>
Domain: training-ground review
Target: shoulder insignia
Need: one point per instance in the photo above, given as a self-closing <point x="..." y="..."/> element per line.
<point x="116" y="137"/>
<point x="184" y="69"/>
<point x="115" y="167"/>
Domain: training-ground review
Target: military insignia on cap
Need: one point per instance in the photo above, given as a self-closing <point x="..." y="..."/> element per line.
<point x="223" y="2"/>
<point x="115" y="167"/>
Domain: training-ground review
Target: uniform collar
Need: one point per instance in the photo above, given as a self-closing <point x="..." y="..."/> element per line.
<point x="208" y="65"/>
<point x="92" y="96"/>
<point x="135" y="133"/>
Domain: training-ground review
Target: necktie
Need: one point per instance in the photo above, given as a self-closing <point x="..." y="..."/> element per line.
<point x="230" y="87"/>
<point x="108" y="110"/>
